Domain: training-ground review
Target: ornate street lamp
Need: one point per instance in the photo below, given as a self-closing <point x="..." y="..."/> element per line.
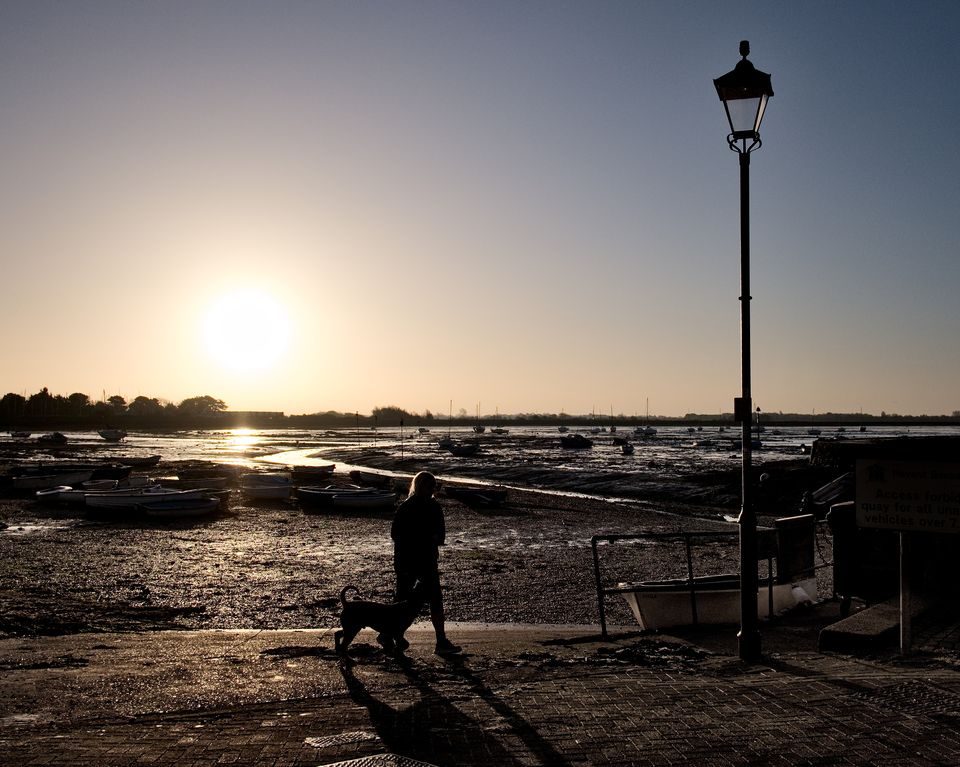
<point x="744" y="93"/>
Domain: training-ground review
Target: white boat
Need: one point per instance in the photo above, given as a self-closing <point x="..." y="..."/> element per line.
<point x="112" y="435"/>
<point x="192" y="483"/>
<point x="266" y="486"/>
<point x="716" y="598"/>
<point x="180" y="508"/>
<point x="134" y="497"/>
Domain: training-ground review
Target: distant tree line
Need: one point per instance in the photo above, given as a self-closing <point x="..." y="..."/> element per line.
<point x="77" y="410"/>
<point x="44" y="408"/>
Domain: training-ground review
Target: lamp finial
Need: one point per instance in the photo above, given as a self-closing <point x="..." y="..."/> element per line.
<point x="744" y="48"/>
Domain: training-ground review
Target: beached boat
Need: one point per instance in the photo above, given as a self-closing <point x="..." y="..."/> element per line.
<point x="476" y="496"/>
<point x="44" y="481"/>
<point x="423" y="430"/>
<point x="112" y="435"/>
<point x="371" y="479"/>
<point x="191" y="483"/>
<point x="303" y="473"/>
<point x="575" y="441"/>
<point x="52" y="494"/>
<point x="563" y="429"/>
<point x="814" y="432"/>
<point x="464" y="449"/>
<point x="479" y="428"/>
<point x="117" y="500"/>
<point x="138" y="461"/>
<point x="445" y="443"/>
<point x="180" y="508"/>
<point x="333" y="497"/>
<point x="713" y="599"/>
<point x="626" y="448"/>
<point x="266" y="486"/>
<point x="52" y="439"/>
<point x="376" y="500"/>
<point x="20" y="434"/>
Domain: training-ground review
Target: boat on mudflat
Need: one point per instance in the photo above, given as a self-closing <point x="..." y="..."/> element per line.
<point x="303" y="474"/>
<point x="372" y="479"/>
<point x="266" y="486"/>
<point x="464" y="449"/>
<point x="44" y="481"/>
<point x="180" y="508"/>
<point x="575" y="441"/>
<point x="112" y="435"/>
<point x="333" y="497"/>
<point x="476" y="496"/>
<point x="130" y="499"/>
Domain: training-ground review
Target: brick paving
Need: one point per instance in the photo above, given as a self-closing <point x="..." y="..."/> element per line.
<point x="521" y="696"/>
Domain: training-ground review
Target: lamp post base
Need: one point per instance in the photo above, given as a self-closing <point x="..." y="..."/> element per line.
<point x="748" y="643"/>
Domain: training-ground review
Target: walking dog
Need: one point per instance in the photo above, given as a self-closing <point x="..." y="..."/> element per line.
<point x="390" y="620"/>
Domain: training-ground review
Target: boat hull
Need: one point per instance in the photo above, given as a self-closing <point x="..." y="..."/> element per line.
<point x="662" y="604"/>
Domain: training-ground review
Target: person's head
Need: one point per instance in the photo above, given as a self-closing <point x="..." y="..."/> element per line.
<point x="423" y="485"/>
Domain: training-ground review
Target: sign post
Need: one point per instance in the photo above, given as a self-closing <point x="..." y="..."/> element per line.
<point x="910" y="497"/>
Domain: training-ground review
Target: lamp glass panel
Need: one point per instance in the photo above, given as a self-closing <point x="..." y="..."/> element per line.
<point x="743" y="114"/>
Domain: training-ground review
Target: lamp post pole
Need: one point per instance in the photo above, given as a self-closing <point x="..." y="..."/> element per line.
<point x="749" y="636"/>
<point x="744" y="92"/>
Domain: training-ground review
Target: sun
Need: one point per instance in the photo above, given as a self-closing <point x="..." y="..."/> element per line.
<point x="246" y="331"/>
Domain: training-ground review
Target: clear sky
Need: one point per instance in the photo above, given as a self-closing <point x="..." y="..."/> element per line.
<point x="305" y="206"/>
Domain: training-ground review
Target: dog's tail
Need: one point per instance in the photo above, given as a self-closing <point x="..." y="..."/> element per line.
<point x="346" y="590"/>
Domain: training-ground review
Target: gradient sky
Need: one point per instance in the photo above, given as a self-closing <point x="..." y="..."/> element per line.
<point x="526" y="205"/>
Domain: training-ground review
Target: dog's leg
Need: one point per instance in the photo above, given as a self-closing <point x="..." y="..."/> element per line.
<point x="386" y="642"/>
<point x="347" y="635"/>
<point x="401" y="643"/>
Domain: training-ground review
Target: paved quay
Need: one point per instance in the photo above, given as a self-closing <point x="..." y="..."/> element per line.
<point x="520" y="695"/>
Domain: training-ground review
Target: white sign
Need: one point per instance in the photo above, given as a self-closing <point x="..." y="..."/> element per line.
<point x="909" y="495"/>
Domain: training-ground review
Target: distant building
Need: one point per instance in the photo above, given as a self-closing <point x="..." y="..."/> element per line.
<point x="254" y="417"/>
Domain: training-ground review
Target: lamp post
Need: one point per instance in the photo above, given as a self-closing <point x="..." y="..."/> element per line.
<point x="744" y="92"/>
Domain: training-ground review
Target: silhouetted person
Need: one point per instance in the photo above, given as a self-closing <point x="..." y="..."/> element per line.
<point x="418" y="531"/>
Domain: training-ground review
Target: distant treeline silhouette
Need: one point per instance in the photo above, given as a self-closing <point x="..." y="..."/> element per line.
<point x="78" y="410"/>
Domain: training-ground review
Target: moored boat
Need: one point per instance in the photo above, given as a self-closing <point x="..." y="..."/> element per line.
<point x="44" y="481"/>
<point x="464" y="449"/>
<point x="575" y="441"/>
<point x="333" y="497"/>
<point x="266" y="486"/>
<point x="476" y="496"/>
<point x="376" y="500"/>
<point x="303" y="473"/>
<point x="180" y="508"/>
<point x="117" y="500"/>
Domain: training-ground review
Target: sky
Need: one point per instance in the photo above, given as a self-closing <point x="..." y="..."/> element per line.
<point x="510" y="206"/>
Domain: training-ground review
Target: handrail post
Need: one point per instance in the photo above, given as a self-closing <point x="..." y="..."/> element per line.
<point x="596" y="575"/>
